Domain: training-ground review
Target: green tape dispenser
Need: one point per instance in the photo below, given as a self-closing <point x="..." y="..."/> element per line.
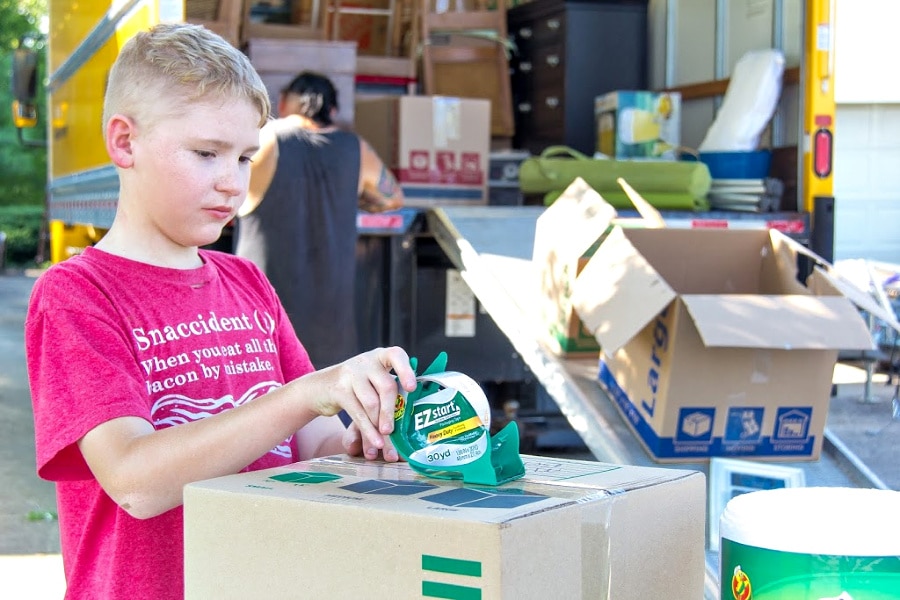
<point x="442" y="429"/>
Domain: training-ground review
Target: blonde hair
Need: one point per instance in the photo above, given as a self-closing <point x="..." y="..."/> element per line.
<point x="173" y="64"/>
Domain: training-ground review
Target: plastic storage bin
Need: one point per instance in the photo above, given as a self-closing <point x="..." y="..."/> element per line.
<point x="738" y="165"/>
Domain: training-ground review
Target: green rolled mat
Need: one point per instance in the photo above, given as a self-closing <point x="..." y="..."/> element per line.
<point x="658" y="200"/>
<point x="559" y="166"/>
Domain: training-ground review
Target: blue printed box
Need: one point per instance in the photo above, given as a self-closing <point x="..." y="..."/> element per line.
<point x="710" y="344"/>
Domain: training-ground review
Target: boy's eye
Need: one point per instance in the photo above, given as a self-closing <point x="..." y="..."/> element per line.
<point x="245" y="160"/>
<point x="205" y="154"/>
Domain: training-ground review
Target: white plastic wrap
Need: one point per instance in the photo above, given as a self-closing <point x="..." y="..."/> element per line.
<point x="749" y="103"/>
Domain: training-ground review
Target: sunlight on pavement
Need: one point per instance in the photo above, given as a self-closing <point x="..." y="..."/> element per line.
<point x="32" y="577"/>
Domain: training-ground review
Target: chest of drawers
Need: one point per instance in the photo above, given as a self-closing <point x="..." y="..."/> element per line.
<point x="567" y="53"/>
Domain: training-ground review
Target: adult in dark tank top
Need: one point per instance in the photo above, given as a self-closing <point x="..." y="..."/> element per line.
<point x="298" y="224"/>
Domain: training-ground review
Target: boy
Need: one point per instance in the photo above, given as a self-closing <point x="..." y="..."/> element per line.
<point x="153" y="363"/>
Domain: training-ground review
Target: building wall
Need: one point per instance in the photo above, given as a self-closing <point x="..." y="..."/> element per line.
<point x="867" y="132"/>
<point x="867" y="182"/>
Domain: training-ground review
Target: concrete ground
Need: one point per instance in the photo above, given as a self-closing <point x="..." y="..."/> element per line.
<point x="30" y="566"/>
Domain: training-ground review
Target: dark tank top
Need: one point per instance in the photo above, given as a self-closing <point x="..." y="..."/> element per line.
<point x="303" y="236"/>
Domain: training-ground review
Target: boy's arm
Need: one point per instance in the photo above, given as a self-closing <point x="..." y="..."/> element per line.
<point x="262" y="169"/>
<point x="378" y="189"/>
<point x="321" y="437"/>
<point x="145" y="470"/>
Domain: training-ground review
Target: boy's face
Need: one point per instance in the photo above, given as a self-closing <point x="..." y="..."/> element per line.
<point x="191" y="170"/>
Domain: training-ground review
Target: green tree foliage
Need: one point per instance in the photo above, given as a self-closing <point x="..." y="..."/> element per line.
<point x="23" y="167"/>
<point x="19" y="18"/>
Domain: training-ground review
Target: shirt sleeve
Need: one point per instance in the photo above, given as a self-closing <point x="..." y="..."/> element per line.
<point x="82" y="371"/>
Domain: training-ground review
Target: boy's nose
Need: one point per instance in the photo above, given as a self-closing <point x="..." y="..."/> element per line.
<point x="233" y="182"/>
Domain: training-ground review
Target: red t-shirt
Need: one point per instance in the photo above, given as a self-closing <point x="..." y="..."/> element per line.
<point x="108" y="337"/>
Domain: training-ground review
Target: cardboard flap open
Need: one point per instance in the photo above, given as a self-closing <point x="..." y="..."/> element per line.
<point x="568" y="227"/>
<point x="787" y="322"/>
<point x="852" y="292"/>
<point x="618" y="292"/>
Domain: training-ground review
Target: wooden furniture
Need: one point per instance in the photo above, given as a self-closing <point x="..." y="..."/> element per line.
<point x="288" y="19"/>
<point x="386" y="33"/>
<point x="463" y="55"/>
<point x="220" y="16"/>
<point x="568" y="53"/>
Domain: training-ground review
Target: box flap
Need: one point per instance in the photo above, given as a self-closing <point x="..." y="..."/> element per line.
<point x="778" y="322"/>
<point x="618" y="292"/>
<point x="652" y="218"/>
<point x="569" y="226"/>
<point x="863" y="300"/>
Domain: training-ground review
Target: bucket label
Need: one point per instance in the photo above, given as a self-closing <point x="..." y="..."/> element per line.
<point x="753" y="573"/>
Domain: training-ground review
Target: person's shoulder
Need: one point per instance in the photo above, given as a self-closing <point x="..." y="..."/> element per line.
<point x="78" y="267"/>
<point x="67" y="283"/>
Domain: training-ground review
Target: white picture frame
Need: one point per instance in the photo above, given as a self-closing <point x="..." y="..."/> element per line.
<point x="730" y="477"/>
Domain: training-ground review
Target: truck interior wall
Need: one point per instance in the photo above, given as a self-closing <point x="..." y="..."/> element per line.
<point x="695" y="41"/>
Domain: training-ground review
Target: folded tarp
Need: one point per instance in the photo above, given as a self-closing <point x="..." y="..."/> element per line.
<point x="667" y="185"/>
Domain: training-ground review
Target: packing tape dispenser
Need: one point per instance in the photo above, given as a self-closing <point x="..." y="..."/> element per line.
<point x="443" y="430"/>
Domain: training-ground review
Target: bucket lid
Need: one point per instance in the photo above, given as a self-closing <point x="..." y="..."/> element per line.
<point x="834" y="521"/>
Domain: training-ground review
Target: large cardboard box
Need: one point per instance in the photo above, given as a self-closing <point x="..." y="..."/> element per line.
<point x="344" y="528"/>
<point x="437" y="146"/>
<point x="711" y="346"/>
<point x="638" y="124"/>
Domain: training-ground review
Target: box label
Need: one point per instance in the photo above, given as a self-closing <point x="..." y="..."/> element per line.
<point x="449" y="168"/>
<point x="763" y="574"/>
<point x="434" y="567"/>
<point x="694" y="436"/>
<point x="433" y="495"/>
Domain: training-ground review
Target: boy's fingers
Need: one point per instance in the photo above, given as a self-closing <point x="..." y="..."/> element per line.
<point x="396" y="359"/>
<point x="371" y="401"/>
<point x="371" y="440"/>
<point x="352" y="440"/>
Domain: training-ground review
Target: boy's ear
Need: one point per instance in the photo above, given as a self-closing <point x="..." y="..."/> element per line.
<point x="119" y="135"/>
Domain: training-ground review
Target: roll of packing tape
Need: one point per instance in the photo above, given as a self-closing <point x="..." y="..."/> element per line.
<point x="452" y="382"/>
<point x="446" y="429"/>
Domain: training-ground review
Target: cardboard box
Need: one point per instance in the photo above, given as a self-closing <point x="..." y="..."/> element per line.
<point x="638" y="124"/>
<point x="711" y="345"/>
<point x="344" y="528"/>
<point x="437" y="146"/>
<point x="566" y="235"/>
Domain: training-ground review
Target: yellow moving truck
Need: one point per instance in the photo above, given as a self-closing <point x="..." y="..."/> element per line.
<point x="83" y="41"/>
<point x="84" y="38"/>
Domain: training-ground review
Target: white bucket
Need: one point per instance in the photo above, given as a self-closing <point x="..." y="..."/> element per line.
<point x="812" y="543"/>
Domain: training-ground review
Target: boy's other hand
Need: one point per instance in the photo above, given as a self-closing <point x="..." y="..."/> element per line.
<point x="365" y="387"/>
<point x="354" y="446"/>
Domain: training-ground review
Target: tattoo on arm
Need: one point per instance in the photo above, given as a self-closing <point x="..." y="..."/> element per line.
<point x="386" y="184"/>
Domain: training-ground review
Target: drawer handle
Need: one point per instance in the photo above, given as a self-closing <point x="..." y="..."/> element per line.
<point x="525" y="107"/>
<point x="525" y="66"/>
<point x="525" y="32"/>
<point x="553" y="60"/>
<point x="552" y="101"/>
<point x="553" y="24"/>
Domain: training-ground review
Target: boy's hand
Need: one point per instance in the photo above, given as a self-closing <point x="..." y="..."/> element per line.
<point x="365" y="388"/>
<point x="354" y="446"/>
